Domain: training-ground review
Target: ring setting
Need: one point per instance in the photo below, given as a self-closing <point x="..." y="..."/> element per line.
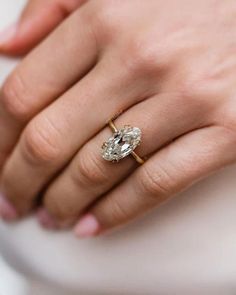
<point x="122" y="143"/>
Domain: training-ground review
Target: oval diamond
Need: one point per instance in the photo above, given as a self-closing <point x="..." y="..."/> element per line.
<point x="121" y="144"/>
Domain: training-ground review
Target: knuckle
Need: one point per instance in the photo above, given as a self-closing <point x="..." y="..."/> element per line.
<point x="195" y="100"/>
<point x="188" y="90"/>
<point x="105" y="19"/>
<point x="142" y="57"/>
<point x="156" y="183"/>
<point x="90" y="170"/>
<point x="197" y="88"/>
<point x="39" y="146"/>
<point x="15" y="97"/>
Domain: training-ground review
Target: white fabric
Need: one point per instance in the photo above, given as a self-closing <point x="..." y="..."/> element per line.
<point x="187" y="247"/>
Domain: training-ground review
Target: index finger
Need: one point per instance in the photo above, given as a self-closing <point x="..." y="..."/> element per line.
<point x="37" y="20"/>
<point x="46" y="73"/>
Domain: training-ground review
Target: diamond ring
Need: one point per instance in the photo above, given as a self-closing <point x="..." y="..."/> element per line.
<point x="122" y="143"/>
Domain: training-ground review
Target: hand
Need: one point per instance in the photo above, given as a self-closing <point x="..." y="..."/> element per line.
<point x="170" y="66"/>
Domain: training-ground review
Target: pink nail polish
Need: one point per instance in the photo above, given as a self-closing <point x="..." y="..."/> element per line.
<point x="7" y="211"/>
<point x="46" y="220"/>
<point x="88" y="226"/>
<point x="7" y="34"/>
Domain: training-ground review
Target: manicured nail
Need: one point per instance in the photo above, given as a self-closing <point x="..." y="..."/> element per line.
<point x="7" y="35"/>
<point x="88" y="226"/>
<point x="46" y="220"/>
<point x="7" y="211"/>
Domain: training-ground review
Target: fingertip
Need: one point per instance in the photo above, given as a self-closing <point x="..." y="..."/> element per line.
<point x="88" y="226"/>
<point x="7" y="36"/>
<point x="46" y="220"/>
<point x="18" y="39"/>
<point x="7" y="210"/>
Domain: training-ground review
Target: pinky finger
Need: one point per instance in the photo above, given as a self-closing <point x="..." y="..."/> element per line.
<point x="171" y="170"/>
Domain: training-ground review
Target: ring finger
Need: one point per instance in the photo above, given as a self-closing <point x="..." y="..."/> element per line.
<point x="161" y="118"/>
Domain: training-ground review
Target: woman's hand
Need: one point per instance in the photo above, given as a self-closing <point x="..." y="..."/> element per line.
<point x="169" y="65"/>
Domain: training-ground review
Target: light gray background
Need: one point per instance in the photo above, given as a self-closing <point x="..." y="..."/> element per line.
<point x="187" y="247"/>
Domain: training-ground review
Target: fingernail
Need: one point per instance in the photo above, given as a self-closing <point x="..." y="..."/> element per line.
<point x="7" y="35"/>
<point x="88" y="226"/>
<point x="7" y="211"/>
<point x="46" y="220"/>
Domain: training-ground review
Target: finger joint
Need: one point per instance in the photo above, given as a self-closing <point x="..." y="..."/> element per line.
<point x="39" y="146"/>
<point x="16" y="98"/>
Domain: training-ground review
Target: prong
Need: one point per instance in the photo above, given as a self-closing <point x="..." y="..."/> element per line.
<point x="127" y="126"/>
<point x="112" y="126"/>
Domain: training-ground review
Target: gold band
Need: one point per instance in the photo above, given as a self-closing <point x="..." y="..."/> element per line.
<point x="137" y="158"/>
<point x="135" y="155"/>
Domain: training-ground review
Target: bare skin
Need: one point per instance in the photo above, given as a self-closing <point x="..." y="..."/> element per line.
<point x="169" y="65"/>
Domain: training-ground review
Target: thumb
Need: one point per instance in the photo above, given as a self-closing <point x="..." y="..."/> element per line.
<point x="38" y="19"/>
